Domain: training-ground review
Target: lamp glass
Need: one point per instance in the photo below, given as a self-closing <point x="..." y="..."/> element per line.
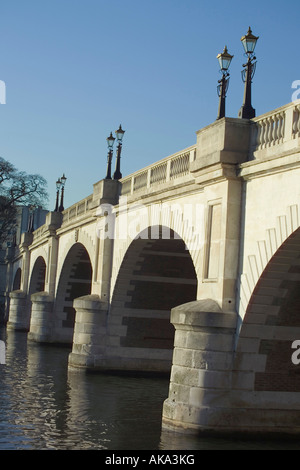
<point x="63" y="180"/>
<point x="249" y="42"/>
<point x="120" y="133"/>
<point x="58" y="184"/>
<point x="110" y="141"/>
<point x="224" y="59"/>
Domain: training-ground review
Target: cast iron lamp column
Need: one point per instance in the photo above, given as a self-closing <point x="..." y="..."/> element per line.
<point x="249" y="42"/>
<point x="110" y="144"/>
<point x="63" y="182"/>
<point x="58" y="186"/>
<point x="31" y="210"/>
<point x="119" y="134"/>
<point x="224" y="61"/>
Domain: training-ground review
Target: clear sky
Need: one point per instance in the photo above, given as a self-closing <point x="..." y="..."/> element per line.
<point x="75" y="69"/>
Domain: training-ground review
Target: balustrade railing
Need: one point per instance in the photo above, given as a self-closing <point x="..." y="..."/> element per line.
<point x="180" y="165"/>
<point x="38" y="233"/>
<point x="170" y="168"/>
<point x="139" y="181"/>
<point x="78" y="209"/>
<point x="296" y="121"/>
<point x="276" y="127"/>
<point x="270" y="130"/>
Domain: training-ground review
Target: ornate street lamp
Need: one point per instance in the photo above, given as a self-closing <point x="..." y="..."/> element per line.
<point x="30" y="227"/>
<point x="63" y="180"/>
<point x="249" y="42"/>
<point x="224" y="62"/>
<point x="119" y="134"/>
<point x="58" y="186"/>
<point x="110" y="144"/>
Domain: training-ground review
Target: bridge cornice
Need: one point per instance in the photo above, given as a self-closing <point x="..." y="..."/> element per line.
<point x="77" y="223"/>
<point x="269" y="165"/>
<point x="215" y="174"/>
<point x="165" y="191"/>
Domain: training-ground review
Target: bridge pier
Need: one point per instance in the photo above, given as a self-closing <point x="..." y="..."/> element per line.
<point x="41" y="323"/>
<point x="89" y="333"/>
<point x="201" y="373"/>
<point x="19" y="314"/>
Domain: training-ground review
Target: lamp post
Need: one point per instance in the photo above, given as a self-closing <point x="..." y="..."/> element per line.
<point x="224" y="62"/>
<point x="63" y="182"/>
<point x="58" y="185"/>
<point x="119" y="134"/>
<point x="30" y="227"/>
<point x="249" y="42"/>
<point x="110" y="144"/>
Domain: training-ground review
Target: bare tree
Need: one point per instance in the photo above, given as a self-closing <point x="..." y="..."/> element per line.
<point x="17" y="188"/>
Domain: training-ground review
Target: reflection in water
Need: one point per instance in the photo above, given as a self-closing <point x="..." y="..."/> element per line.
<point x="43" y="406"/>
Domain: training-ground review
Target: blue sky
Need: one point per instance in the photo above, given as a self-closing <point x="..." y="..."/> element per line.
<point x="75" y="69"/>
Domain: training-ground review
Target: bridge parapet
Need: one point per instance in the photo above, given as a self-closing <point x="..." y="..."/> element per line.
<point x="163" y="172"/>
<point x="275" y="132"/>
<point x="77" y="211"/>
<point x="53" y="221"/>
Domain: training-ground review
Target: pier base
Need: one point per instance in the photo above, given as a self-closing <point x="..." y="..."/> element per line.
<point x="41" y="323"/>
<point x="19" y="313"/>
<point x="89" y="333"/>
<point x="201" y="373"/>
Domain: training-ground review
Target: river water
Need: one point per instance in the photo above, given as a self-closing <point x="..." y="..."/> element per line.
<point x="45" y="406"/>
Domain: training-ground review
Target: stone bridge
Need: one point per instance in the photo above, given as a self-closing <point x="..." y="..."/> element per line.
<point x="189" y="267"/>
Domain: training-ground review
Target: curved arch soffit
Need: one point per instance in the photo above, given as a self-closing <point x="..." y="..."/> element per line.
<point x="85" y="241"/>
<point x="281" y="268"/>
<point x="193" y="243"/>
<point x="17" y="279"/>
<point x="40" y="252"/>
<point x="272" y="320"/>
<point x="262" y="251"/>
<point x="72" y="252"/>
<point x="39" y="267"/>
<point x="149" y="234"/>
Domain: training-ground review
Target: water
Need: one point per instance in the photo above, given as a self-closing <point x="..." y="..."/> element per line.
<point x="44" y="406"/>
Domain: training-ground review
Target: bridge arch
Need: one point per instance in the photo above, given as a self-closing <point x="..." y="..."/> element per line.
<point x="272" y="323"/>
<point x="183" y="218"/>
<point x="75" y="280"/>
<point x="157" y="274"/>
<point x="17" y="280"/>
<point x="70" y="240"/>
<point x="38" y="276"/>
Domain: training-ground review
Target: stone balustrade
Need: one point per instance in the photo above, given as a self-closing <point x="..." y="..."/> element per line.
<point x="77" y="210"/>
<point x="164" y="171"/>
<point x="276" y="128"/>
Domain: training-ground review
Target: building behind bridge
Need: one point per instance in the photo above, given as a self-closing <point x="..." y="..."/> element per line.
<point x="25" y="216"/>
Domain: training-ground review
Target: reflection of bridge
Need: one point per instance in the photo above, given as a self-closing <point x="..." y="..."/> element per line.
<point x="219" y="243"/>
